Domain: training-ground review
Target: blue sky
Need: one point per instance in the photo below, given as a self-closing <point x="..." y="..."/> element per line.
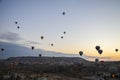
<point x="87" y="23"/>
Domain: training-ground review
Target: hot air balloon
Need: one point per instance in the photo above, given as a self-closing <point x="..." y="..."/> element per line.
<point x="100" y="51"/>
<point x="80" y="53"/>
<point x="16" y="22"/>
<point x="18" y="27"/>
<point x="2" y="49"/>
<point x="61" y="37"/>
<point x="116" y="50"/>
<point x="42" y="37"/>
<point x="96" y="60"/>
<point x="63" y="13"/>
<point x="64" y="32"/>
<point x="51" y="44"/>
<point x="32" y="47"/>
<point x="97" y="48"/>
<point x="40" y="55"/>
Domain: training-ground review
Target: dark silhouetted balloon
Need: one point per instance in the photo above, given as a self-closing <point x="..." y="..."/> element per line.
<point x="61" y="37"/>
<point x="2" y="49"/>
<point x="100" y="51"/>
<point x="40" y="55"/>
<point x="80" y="53"/>
<point x="52" y="44"/>
<point x="96" y="60"/>
<point x="64" y="32"/>
<point x="42" y="37"/>
<point x="32" y="47"/>
<point x="18" y="27"/>
<point x="116" y="50"/>
<point x="16" y="22"/>
<point x="97" y="48"/>
<point x="63" y="13"/>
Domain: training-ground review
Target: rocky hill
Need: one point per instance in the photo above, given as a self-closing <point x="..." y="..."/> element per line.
<point x="46" y="60"/>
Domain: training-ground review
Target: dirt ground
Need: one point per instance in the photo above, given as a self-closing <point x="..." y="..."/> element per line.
<point x="61" y="77"/>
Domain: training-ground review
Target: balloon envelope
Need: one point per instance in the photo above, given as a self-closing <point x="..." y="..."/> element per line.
<point x="96" y="60"/>
<point x="42" y="37"/>
<point x="64" y="32"/>
<point x="2" y="49"/>
<point x="61" y="37"/>
<point x="18" y="27"/>
<point x="40" y="55"/>
<point x="51" y="44"/>
<point x="81" y="53"/>
<point x="100" y="51"/>
<point x="32" y="47"/>
<point x="63" y="13"/>
<point x="116" y="50"/>
<point x="16" y="22"/>
<point x="97" y="48"/>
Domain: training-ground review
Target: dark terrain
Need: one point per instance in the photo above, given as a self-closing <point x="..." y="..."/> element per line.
<point x="57" y="68"/>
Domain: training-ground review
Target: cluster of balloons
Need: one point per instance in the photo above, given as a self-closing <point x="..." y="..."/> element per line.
<point x="42" y="37"/>
<point x="17" y="23"/>
<point x="100" y="51"/>
<point x="63" y="33"/>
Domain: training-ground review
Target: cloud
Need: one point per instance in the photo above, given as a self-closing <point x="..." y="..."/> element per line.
<point x="16" y="38"/>
<point x="32" y="42"/>
<point x="10" y="36"/>
<point x="15" y="50"/>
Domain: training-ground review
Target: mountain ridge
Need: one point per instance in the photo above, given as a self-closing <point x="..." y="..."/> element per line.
<point x="16" y="50"/>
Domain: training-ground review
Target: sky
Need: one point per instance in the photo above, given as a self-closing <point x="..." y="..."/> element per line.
<point x="87" y="23"/>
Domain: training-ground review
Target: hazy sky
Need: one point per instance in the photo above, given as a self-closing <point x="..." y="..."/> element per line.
<point x="87" y="23"/>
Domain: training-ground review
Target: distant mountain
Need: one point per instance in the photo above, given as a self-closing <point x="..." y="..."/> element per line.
<point x="50" y="60"/>
<point x="16" y="50"/>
